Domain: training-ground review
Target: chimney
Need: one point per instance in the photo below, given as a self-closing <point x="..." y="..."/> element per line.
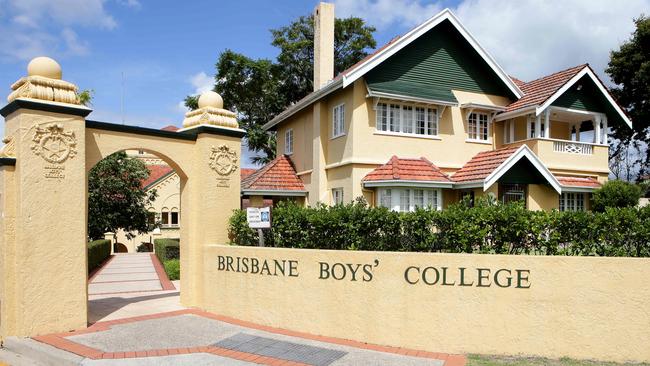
<point x="323" y="44"/>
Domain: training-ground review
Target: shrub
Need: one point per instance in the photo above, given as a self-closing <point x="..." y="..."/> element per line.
<point x="616" y="193"/>
<point x="98" y="252"/>
<point x="488" y="227"/>
<point x="167" y="249"/>
<point x="173" y="269"/>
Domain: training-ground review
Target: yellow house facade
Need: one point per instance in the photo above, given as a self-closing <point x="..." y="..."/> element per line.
<point x="431" y="118"/>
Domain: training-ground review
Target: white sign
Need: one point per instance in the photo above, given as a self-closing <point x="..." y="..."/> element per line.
<point x="258" y="218"/>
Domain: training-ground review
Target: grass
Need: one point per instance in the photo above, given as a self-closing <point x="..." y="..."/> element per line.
<point x="173" y="269"/>
<point x="481" y="360"/>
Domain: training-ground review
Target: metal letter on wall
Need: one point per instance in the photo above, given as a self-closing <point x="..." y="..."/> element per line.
<point x="55" y="146"/>
<point x="223" y="160"/>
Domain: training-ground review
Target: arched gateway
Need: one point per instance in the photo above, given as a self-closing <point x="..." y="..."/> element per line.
<point x="49" y="149"/>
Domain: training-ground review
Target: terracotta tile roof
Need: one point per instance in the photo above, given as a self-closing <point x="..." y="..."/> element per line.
<point x="517" y="82"/>
<point x="245" y="172"/>
<point x="588" y="182"/>
<point x="536" y="92"/>
<point x="278" y="175"/>
<point x="482" y="165"/>
<point x="156" y="172"/>
<point x="171" y="128"/>
<point x="407" y="169"/>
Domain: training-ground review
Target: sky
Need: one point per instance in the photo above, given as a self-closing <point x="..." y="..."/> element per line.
<point x="142" y="57"/>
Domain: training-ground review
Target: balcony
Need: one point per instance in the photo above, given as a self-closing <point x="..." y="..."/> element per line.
<point x="569" y="155"/>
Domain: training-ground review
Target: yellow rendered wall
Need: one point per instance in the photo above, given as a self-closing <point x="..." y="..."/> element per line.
<point x="542" y="197"/>
<point x="578" y="307"/>
<point x="301" y="124"/>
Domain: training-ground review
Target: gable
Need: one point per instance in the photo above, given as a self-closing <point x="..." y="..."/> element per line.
<point x="586" y="96"/>
<point x="434" y="64"/>
<point x="523" y="172"/>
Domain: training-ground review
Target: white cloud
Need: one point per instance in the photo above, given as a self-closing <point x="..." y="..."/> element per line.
<point x="202" y="82"/>
<point x="529" y="38"/>
<point x="73" y="44"/>
<point x="130" y="3"/>
<point x="65" y="12"/>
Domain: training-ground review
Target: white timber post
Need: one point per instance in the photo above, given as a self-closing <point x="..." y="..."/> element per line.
<point x="547" y="124"/>
<point x="597" y="129"/>
<point x="604" y="140"/>
<point x="538" y="126"/>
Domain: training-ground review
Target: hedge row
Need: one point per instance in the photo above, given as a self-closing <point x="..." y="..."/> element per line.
<point x="98" y="252"/>
<point x="167" y="249"/>
<point x="488" y="227"/>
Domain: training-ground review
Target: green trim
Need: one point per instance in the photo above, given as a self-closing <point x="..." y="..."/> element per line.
<point x="8" y="161"/>
<point x="139" y="130"/>
<point x="523" y="172"/>
<point x="189" y="135"/>
<point x="44" y="106"/>
<point x="435" y="64"/>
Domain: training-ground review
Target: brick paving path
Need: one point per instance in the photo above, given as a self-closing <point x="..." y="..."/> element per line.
<point x="196" y="337"/>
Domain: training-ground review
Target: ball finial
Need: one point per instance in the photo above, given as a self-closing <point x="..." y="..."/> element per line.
<point x="210" y="99"/>
<point x="44" y="66"/>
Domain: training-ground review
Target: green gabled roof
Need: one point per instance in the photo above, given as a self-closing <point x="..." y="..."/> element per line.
<point x="434" y="64"/>
<point x="408" y="89"/>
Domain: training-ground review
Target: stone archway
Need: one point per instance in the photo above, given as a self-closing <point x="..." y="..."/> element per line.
<point x="50" y="147"/>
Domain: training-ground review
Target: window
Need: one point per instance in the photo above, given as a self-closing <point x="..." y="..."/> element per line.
<point x="467" y="194"/>
<point x="407" y="119"/>
<point x="338" y="121"/>
<point x="165" y="217"/>
<point x="288" y="142"/>
<point x="173" y="217"/>
<point x="572" y="202"/>
<point x="478" y="126"/>
<point x="337" y="196"/>
<point x="406" y="199"/>
<point x="151" y="219"/>
<point x="512" y="192"/>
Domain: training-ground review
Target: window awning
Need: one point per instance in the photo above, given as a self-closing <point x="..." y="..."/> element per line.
<point x="412" y="92"/>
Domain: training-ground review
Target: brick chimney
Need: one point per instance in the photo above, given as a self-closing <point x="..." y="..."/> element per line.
<point x="323" y="44"/>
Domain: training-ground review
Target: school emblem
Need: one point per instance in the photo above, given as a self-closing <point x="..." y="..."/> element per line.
<point x="53" y="144"/>
<point x="223" y="160"/>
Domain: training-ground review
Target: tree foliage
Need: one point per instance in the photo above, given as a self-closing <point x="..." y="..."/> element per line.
<point x="616" y="193"/>
<point x="116" y="199"/>
<point x="259" y="89"/>
<point x="629" y="68"/>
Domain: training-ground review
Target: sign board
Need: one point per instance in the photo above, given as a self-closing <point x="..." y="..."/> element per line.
<point x="258" y="218"/>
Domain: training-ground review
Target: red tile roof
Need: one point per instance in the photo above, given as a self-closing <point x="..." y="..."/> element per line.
<point x="408" y="170"/>
<point x="587" y="182"/>
<point x="278" y="175"/>
<point x="536" y="92"/>
<point x="517" y="82"/>
<point x="156" y="172"/>
<point x="245" y="172"/>
<point x="171" y="128"/>
<point x="482" y="165"/>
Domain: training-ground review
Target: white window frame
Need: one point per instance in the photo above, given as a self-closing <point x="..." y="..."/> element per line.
<point x="288" y="141"/>
<point x="475" y="128"/>
<point x="337" y="196"/>
<point x="394" y="118"/>
<point x="338" y="121"/>
<point x="402" y="199"/>
<point x="572" y="201"/>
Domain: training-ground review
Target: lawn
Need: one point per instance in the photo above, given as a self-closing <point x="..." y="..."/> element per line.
<point x="480" y="360"/>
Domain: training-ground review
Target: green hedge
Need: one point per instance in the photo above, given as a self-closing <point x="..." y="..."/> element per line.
<point x="98" y="252"/>
<point x="173" y="269"/>
<point x="167" y="249"/>
<point x="489" y="227"/>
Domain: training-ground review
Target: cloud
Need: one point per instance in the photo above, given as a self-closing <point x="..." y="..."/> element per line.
<point x="202" y="82"/>
<point x="130" y="3"/>
<point x="73" y="44"/>
<point x="529" y="38"/>
<point x="65" y="12"/>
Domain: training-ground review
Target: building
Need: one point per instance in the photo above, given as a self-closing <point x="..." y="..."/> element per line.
<point x="431" y="117"/>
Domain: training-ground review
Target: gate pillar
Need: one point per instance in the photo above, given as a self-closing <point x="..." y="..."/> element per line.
<point x="43" y="266"/>
<point x="211" y="192"/>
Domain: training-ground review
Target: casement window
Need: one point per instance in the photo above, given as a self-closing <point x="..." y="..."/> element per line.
<point x="337" y="196"/>
<point x="409" y="199"/>
<point x="466" y="194"/>
<point x="164" y="216"/>
<point x="338" y="121"/>
<point x="512" y="192"/>
<point x="477" y="126"/>
<point x="572" y="201"/>
<point x="288" y="142"/>
<point x="407" y="119"/>
<point x="173" y="217"/>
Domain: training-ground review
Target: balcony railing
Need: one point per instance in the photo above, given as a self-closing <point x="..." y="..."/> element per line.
<point x="573" y="147"/>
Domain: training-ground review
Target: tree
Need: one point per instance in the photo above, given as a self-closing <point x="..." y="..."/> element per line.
<point x="629" y="68"/>
<point x="616" y="193"/>
<point x="116" y="199"/>
<point x="258" y="90"/>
